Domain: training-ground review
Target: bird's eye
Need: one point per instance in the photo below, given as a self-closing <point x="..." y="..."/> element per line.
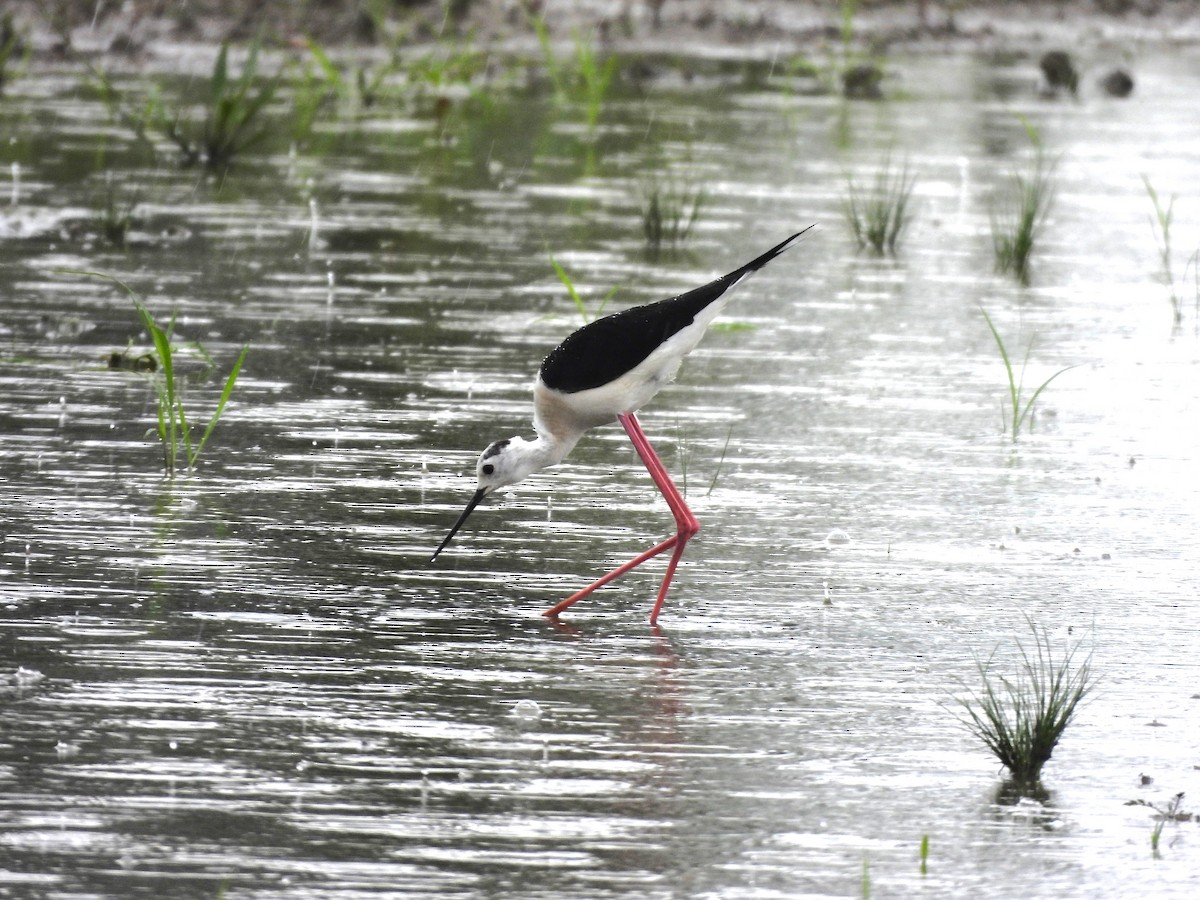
<point x="488" y="469"/>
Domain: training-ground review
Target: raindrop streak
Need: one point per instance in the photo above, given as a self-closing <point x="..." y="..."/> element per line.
<point x="313" y="226"/>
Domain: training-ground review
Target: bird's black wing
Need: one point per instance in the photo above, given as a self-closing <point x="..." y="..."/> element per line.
<point x="604" y="350"/>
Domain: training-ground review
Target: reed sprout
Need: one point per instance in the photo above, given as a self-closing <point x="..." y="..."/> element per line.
<point x="1172" y="812"/>
<point x="555" y="71"/>
<point x="879" y="214"/>
<point x="712" y="485"/>
<point x="573" y="293"/>
<point x="362" y="85"/>
<point x="1160" y="222"/>
<point x="313" y="89"/>
<point x="1021" y="719"/>
<point x="173" y="428"/>
<point x="1020" y="406"/>
<point x="595" y="77"/>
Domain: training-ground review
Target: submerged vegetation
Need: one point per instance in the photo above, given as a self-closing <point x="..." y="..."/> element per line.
<point x="1021" y="719"/>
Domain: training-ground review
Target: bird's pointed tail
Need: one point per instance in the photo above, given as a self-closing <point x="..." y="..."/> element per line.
<point x="756" y="264"/>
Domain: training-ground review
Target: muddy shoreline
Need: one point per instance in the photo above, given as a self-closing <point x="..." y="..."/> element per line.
<point x="139" y="32"/>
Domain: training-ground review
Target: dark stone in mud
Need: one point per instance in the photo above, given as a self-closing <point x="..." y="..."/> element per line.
<point x="862" y="82"/>
<point x="1117" y="83"/>
<point x="1059" y="71"/>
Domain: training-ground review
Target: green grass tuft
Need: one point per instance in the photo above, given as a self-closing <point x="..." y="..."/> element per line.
<point x="232" y="114"/>
<point x="1021" y="719"/>
<point x="1018" y="218"/>
<point x="879" y="214"/>
<point x="670" y="209"/>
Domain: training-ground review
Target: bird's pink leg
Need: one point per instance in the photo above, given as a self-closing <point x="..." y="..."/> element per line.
<point x="685" y="522"/>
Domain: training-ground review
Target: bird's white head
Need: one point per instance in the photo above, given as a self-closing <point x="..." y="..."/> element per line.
<point x="502" y="463"/>
<point x="506" y="462"/>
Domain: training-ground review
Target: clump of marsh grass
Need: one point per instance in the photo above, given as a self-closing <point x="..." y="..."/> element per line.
<point x="1020" y="407"/>
<point x="231" y="122"/>
<point x="670" y="208"/>
<point x="878" y="214"/>
<point x="1021" y="719"/>
<point x="1019" y="216"/>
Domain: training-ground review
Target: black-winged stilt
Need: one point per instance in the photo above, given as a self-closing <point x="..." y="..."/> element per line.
<point x="605" y="371"/>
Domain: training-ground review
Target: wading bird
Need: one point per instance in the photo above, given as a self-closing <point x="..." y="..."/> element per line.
<point x="605" y="371"/>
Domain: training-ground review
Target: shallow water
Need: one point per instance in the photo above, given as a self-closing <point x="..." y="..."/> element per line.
<point x="249" y="680"/>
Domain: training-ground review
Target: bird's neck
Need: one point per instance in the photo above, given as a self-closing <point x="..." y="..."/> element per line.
<point x="548" y="450"/>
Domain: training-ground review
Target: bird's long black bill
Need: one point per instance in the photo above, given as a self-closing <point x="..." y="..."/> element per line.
<point x="479" y="495"/>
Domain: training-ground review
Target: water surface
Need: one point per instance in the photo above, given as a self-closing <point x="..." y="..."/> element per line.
<point x="250" y="681"/>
